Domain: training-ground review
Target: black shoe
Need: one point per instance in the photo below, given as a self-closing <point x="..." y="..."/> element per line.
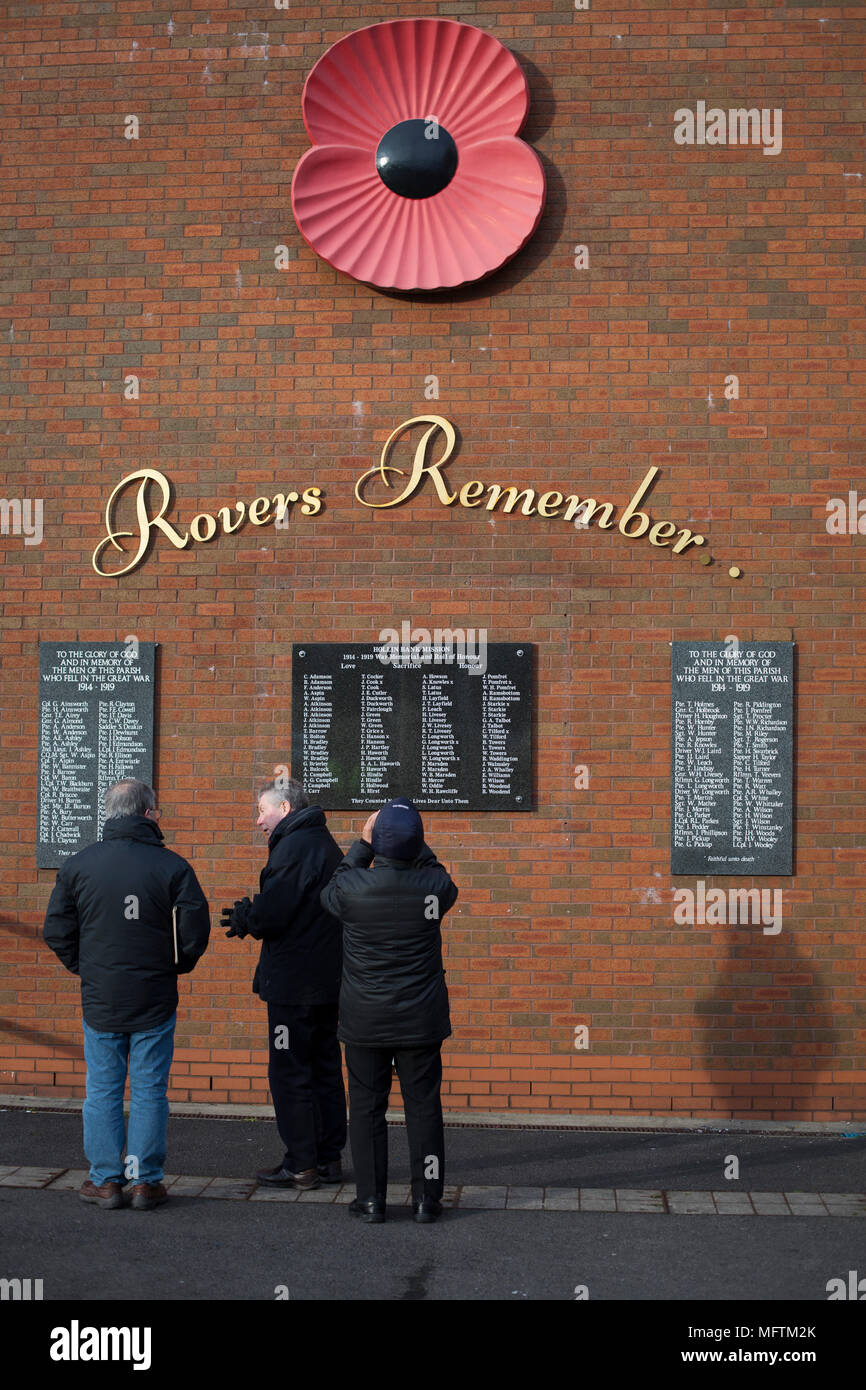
<point x="282" y="1177"/>
<point x="330" y="1172"/>
<point x="275" y="1177"/>
<point x="372" y="1210"/>
<point x="426" y="1211"/>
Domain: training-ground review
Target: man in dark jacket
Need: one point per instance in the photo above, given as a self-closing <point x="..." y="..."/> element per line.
<point x="298" y="976"/>
<point x="128" y="916"/>
<point x="393" y="1001"/>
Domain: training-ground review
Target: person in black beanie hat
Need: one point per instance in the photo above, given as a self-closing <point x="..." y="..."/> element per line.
<point x="393" y="1001"/>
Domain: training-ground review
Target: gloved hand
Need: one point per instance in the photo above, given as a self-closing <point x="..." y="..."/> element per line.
<point x="234" y="920"/>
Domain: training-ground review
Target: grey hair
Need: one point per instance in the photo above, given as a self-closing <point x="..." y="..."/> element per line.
<point x="129" y="798"/>
<point x="285" y="789"/>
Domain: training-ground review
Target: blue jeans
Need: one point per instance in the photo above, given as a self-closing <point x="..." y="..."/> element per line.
<point x="106" y="1055"/>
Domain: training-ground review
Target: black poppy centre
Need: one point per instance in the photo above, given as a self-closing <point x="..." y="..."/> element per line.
<point x="416" y="158"/>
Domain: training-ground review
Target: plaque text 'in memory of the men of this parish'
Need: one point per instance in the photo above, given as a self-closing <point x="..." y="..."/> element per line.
<point x="95" y="727"/>
<point x="450" y="728"/>
<point x="732" y="754"/>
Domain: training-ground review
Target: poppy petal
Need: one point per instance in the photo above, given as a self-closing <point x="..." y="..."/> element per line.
<point x="342" y="207"/>
<point x="481" y="93"/>
<point x="486" y="214"/>
<point x="410" y="69"/>
<point x="488" y="211"/>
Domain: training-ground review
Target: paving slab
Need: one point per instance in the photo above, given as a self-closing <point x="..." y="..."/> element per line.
<point x="595" y="1198"/>
<point x="733" y="1203"/>
<point x="770" y="1203"/>
<point x="525" y="1198"/>
<point x="563" y="1199"/>
<point x="806" y="1203"/>
<point x="189" y="1186"/>
<point x="483" y="1197"/>
<point x="229" y="1189"/>
<point x="691" y="1204"/>
<point x="31" y="1177"/>
<point x="845" y="1203"/>
<point x="634" y="1200"/>
<point x="70" y="1181"/>
<point x="275" y="1194"/>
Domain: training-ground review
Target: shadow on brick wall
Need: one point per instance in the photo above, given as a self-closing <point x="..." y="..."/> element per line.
<point x="767" y="1004"/>
<point x="19" y="1032"/>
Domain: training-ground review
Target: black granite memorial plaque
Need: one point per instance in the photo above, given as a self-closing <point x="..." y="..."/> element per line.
<point x="449" y="726"/>
<point x="95" y="727"/>
<point x="732" y="753"/>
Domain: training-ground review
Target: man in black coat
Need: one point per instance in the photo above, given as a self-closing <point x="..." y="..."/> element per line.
<point x="298" y="976"/>
<point x="393" y="1001"/>
<point x="128" y="916"/>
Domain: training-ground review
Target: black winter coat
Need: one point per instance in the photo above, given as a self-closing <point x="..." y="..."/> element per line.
<point x="393" y="992"/>
<point x="109" y="920"/>
<point x="301" y="951"/>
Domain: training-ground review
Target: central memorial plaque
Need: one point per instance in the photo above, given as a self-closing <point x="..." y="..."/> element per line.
<point x="450" y="729"/>
<point x="732" y="742"/>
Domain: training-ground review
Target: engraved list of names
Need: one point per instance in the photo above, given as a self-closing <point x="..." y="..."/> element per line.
<point x="732" y="742"/>
<point x="95" y="727"/>
<point x="444" y="727"/>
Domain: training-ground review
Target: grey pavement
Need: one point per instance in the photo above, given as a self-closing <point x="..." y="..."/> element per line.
<point x="486" y="1157"/>
<point x="534" y="1215"/>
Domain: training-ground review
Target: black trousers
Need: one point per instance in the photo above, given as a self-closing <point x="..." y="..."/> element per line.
<point x="420" y="1073"/>
<point x="306" y="1081"/>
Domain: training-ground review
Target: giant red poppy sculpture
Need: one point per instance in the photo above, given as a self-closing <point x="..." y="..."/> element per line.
<point x="416" y="179"/>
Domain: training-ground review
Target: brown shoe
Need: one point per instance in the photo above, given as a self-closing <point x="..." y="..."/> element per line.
<point x="306" y="1180"/>
<point x="110" y="1194"/>
<point x="146" y="1195"/>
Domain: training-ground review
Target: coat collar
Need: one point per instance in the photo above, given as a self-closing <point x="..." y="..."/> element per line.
<point x="140" y="828"/>
<point x="304" y="818"/>
<point x="385" y="861"/>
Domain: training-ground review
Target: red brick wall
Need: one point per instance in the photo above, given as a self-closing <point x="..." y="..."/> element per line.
<point x="156" y="257"/>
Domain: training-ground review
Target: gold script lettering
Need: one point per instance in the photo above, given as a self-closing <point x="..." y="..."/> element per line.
<point x="661" y="531"/>
<point x="496" y="491"/>
<point x="144" y="476"/>
<point x="419" y="466"/>
<point x="631" y="512"/>
<point x="591" y="507"/>
<point x="224" y="514"/>
<point x="470" y="493"/>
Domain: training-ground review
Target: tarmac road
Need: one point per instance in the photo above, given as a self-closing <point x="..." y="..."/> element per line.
<point x="194" y="1248"/>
